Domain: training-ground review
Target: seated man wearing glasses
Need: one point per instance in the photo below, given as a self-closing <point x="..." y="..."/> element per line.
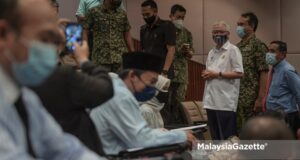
<point x="119" y="122"/>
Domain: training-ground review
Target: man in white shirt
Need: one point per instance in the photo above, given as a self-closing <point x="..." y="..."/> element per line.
<point x="224" y="68"/>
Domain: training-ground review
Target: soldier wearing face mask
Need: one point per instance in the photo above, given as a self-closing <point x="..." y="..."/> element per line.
<point x="254" y="52"/>
<point x="184" y="48"/>
<point x="111" y="34"/>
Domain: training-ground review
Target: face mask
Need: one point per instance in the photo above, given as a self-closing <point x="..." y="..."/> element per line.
<point x="145" y="95"/>
<point x="117" y="3"/>
<point x="271" y="58"/>
<point x="240" y="31"/>
<point x="178" y="23"/>
<point x="150" y="20"/>
<point x="220" y="39"/>
<point x="42" y="60"/>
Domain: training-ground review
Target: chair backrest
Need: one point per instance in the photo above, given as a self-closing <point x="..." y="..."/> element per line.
<point x="201" y="109"/>
<point x="194" y="112"/>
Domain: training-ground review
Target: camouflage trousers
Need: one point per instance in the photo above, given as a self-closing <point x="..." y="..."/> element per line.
<point x="173" y="112"/>
<point x="244" y="113"/>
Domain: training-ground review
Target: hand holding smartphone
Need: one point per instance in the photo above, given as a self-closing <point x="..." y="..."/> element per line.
<point x="73" y="32"/>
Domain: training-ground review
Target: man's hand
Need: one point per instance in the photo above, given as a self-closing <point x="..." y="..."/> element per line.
<point x="190" y="138"/>
<point x="258" y="105"/>
<point x="186" y="51"/>
<point x="209" y="74"/>
<point x="164" y="73"/>
<point x="81" y="53"/>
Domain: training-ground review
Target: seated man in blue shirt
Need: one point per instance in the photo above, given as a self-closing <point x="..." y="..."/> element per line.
<point x="119" y="122"/>
<point x="27" y="131"/>
<point x="284" y="91"/>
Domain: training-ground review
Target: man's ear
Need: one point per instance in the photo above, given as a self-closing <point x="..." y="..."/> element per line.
<point x="131" y="74"/>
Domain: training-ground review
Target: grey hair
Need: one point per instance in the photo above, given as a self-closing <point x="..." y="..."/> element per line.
<point x="227" y="26"/>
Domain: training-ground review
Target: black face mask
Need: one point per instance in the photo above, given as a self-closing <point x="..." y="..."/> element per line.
<point x="220" y="39"/>
<point x="150" y="20"/>
<point x="117" y="3"/>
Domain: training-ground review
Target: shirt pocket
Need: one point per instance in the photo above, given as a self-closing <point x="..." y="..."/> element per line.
<point x="223" y="62"/>
<point x="102" y="24"/>
<point x="279" y="89"/>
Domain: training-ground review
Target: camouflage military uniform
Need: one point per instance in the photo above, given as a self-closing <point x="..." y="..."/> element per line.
<point x="253" y="52"/>
<point x="108" y="27"/>
<point x="180" y="80"/>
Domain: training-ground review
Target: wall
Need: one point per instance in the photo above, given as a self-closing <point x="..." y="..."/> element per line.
<point x="68" y="8"/>
<point x="230" y="11"/>
<point x="278" y="20"/>
<point x="194" y="10"/>
<point x="291" y="30"/>
<point x="203" y="13"/>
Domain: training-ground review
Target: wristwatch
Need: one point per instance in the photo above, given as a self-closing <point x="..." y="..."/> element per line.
<point x="220" y="75"/>
<point x="165" y="72"/>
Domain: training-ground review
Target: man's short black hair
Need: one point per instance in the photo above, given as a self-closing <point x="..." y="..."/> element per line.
<point x="282" y="46"/>
<point x="9" y="12"/>
<point x="177" y="7"/>
<point x="150" y="3"/>
<point x="252" y="19"/>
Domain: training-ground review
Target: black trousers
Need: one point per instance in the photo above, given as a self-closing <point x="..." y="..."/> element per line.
<point x="293" y="121"/>
<point x="222" y="124"/>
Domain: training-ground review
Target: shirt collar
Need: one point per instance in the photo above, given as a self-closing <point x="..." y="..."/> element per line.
<point x="9" y="89"/>
<point x="279" y="65"/>
<point x="252" y="37"/>
<point x="156" y="24"/>
<point x="104" y="9"/>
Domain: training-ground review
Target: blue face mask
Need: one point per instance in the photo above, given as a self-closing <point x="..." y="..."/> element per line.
<point x="42" y="60"/>
<point x="271" y="59"/>
<point x="240" y="31"/>
<point x="145" y="95"/>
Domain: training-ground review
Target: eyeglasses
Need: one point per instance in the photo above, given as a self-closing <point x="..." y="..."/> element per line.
<point x="147" y="85"/>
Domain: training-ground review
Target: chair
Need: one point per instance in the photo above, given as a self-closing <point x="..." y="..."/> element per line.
<point x="196" y="114"/>
<point x="201" y="109"/>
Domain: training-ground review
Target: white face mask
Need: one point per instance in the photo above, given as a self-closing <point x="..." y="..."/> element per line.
<point x="178" y="23"/>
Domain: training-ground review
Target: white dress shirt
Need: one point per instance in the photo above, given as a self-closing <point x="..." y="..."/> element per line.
<point x="220" y="93"/>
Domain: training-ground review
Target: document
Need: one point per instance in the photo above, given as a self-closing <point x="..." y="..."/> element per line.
<point x="190" y="128"/>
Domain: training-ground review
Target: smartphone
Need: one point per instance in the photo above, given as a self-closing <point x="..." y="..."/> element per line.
<point x="73" y="32"/>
